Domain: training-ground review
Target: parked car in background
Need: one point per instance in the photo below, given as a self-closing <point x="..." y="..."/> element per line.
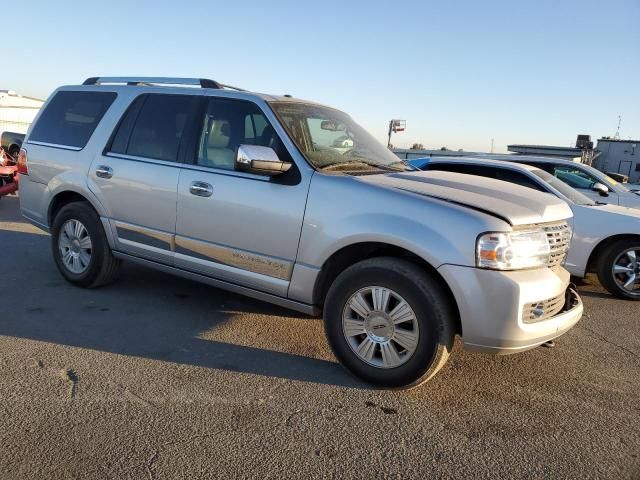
<point x="618" y="177"/>
<point x="399" y="261"/>
<point x="606" y="238"/>
<point x="587" y="180"/>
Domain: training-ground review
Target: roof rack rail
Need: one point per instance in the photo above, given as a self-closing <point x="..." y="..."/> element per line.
<point x="202" y="82"/>
<point x="231" y="87"/>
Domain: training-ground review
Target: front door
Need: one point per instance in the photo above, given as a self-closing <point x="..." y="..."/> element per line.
<point x="235" y="226"/>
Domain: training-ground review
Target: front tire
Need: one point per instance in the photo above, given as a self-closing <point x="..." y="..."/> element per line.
<point x="389" y="323"/>
<point x="80" y="248"/>
<point x="619" y="269"/>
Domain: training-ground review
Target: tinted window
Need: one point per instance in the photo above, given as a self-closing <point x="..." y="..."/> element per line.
<point x="518" y="178"/>
<point x="157" y="129"/>
<point x="506" y="175"/>
<point x="226" y="125"/>
<point x="563" y="188"/>
<point x="70" y="118"/>
<point x="120" y="140"/>
<point x="463" y="168"/>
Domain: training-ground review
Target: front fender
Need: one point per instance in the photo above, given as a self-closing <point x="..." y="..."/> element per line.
<point x="318" y="244"/>
<point x="341" y="212"/>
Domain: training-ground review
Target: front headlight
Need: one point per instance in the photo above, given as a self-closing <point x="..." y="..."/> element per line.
<point x="513" y="250"/>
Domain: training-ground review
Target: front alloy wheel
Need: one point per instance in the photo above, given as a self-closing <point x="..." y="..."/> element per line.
<point x="380" y="327"/>
<point x="619" y="268"/>
<point x="626" y="271"/>
<point x="389" y="322"/>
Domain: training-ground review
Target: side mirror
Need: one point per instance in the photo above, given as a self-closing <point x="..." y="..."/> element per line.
<point x="259" y="160"/>
<point x="601" y="188"/>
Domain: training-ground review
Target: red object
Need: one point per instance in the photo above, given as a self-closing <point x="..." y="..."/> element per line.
<point x="8" y="174"/>
<point x="9" y="188"/>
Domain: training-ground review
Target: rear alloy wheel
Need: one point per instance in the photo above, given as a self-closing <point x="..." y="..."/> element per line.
<point x="619" y="270"/>
<point x="80" y="247"/>
<point x="75" y="246"/>
<point x="389" y="322"/>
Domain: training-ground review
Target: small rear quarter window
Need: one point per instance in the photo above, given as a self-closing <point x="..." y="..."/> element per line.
<point x="70" y="118"/>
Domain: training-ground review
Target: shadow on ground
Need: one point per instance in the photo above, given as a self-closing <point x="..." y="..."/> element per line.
<point x="144" y="314"/>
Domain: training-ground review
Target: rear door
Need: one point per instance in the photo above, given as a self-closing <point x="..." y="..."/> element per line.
<point x="136" y="177"/>
<point x="235" y="226"/>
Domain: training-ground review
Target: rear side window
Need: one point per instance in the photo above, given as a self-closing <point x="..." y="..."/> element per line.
<point x="70" y="118"/>
<point x="154" y="126"/>
<point x="518" y="178"/>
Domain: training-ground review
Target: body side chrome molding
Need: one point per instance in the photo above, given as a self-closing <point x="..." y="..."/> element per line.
<point x="144" y="236"/>
<point x="232" y="287"/>
<point x="233" y="257"/>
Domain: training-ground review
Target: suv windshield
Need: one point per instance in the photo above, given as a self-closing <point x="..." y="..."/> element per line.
<point x="573" y="195"/>
<point x="332" y="141"/>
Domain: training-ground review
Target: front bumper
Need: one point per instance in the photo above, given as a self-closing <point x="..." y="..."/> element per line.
<point x="491" y="305"/>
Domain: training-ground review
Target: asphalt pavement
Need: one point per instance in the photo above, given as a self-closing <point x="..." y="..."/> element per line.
<point x="156" y="377"/>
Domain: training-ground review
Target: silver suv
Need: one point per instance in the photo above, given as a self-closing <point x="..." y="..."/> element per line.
<point x="293" y="203"/>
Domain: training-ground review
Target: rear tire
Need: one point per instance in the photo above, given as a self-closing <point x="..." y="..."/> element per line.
<point x="80" y="247"/>
<point x="623" y="257"/>
<point x="375" y="336"/>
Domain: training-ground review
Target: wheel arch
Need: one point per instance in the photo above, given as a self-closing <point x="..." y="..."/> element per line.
<point x="65" y="197"/>
<point x="349" y="255"/>
<point x="596" y="253"/>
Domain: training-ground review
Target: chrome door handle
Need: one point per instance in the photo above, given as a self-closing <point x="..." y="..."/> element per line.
<point x="103" y="171"/>
<point x="201" y="189"/>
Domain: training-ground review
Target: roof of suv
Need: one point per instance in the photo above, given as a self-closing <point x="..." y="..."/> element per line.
<point x="175" y="84"/>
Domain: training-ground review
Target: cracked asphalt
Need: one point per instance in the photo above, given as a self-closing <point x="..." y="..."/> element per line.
<point x="156" y="377"/>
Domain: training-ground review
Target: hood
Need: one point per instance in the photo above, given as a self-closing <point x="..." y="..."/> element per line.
<point x="515" y="204"/>
<point x="627" y="213"/>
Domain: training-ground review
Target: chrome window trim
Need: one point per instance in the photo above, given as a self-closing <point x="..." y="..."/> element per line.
<point x="55" y="145"/>
<point x="188" y="166"/>
<point x="135" y="158"/>
<point x="224" y="171"/>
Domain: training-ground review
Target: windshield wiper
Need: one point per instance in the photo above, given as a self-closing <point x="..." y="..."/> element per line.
<point x="361" y="162"/>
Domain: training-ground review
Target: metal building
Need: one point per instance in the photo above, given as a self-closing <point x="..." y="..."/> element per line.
<point x="619" y="156"/>
<point x="17" y="112"/>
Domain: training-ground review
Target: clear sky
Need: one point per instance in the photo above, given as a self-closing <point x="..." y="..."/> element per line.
<point x="459" y="72"/>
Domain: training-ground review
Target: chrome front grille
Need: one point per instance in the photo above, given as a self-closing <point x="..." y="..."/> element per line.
<point x="559" y="236"/>
<point x="541" y="311"/>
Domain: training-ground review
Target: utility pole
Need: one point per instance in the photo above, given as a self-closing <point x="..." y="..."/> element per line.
<point x="492" y="145"/>
<point x="618" y="130"/>
<point x="394" y="127"/>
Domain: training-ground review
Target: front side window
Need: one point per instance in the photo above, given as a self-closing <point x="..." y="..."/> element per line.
<point x="574" y="177"/>
<point x="71" y="117"/>
<point x="229" y="123"/>
<point x="331" y="141"/>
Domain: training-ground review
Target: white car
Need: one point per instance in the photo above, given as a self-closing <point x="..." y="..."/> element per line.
<point x="606" y="238"/>
<point x="598" y="186"/>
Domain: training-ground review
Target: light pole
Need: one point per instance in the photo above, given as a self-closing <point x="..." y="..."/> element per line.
<point x="396" y="126"/>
